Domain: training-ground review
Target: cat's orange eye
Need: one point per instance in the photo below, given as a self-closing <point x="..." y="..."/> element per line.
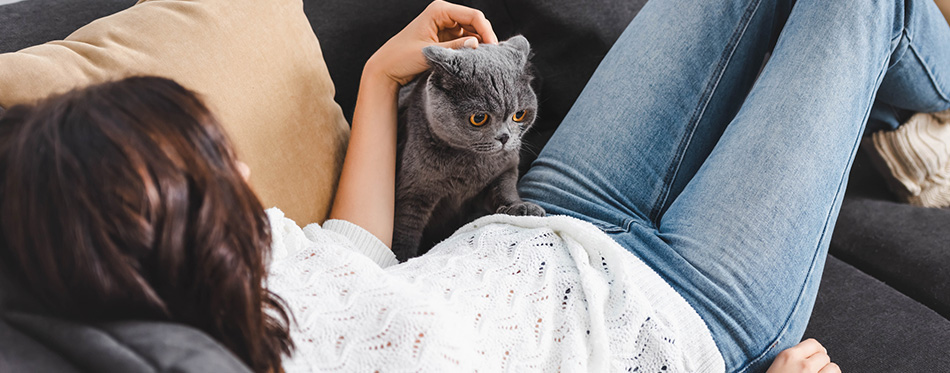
<point x="519" y="116"/>
<point x="478" y="119"/>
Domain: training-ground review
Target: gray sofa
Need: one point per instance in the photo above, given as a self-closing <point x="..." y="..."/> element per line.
<point x="884" y="302"/>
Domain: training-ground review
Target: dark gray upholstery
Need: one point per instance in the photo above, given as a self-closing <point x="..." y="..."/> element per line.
<point x="130" y="346"/>
<point x="32" y="341"/>
<point x="867" y="325"/>
<point x="907" y="247"/>
<point x="34" y="22"/>
<point x="870" y="327"/>
<point x="349" y="33"/>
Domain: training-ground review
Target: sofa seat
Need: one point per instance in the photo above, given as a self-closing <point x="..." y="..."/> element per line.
<point x="869" y="326"/>
<point x="883" y="301"/>
<point x="904" y="246"/>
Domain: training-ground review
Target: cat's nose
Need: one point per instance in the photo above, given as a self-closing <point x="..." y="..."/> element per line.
<point x="503" y="138"/>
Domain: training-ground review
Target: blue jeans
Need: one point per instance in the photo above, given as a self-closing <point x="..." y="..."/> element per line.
<point x="724" y="176"/>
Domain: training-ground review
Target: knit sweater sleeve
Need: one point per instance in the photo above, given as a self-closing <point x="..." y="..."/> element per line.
<point x="363" y="241"/>
<point x="348" y="313"/>
<point x="288" y="238"/>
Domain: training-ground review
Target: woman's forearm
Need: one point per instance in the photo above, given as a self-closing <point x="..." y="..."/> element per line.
<point x="367" y="190"/>
<point x="366" y="193"/>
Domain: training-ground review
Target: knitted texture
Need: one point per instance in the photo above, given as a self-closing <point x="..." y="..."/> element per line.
<point x="502" y="294"/>
<point x="915" y="159"/>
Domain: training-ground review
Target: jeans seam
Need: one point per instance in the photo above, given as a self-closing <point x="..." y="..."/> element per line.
<point x="811" y="269"/>
<point x="895" y="43"/>
<point x="700" y="110"/>
<point x="622" y="227"/>
<point x="928" y="70"/>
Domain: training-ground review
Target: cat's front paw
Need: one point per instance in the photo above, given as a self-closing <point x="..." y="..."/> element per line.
<point x="521" y="209"/>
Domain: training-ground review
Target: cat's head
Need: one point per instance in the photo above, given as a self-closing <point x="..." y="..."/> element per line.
<point x="481" y="99"/>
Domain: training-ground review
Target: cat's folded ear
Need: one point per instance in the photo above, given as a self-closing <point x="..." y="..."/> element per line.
<point x="442" y="58"/>
<point x="520" y="44"/>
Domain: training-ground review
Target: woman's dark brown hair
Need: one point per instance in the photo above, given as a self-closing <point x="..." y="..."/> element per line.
<point x="124" y="201"/>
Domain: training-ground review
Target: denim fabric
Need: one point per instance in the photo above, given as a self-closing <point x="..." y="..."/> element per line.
<point x="724" y="176"/>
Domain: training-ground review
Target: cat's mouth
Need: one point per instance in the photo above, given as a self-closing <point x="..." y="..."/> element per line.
<point x="495" y="147"/>
<point x="488" y="151"/>
<point x="487" y="147"/>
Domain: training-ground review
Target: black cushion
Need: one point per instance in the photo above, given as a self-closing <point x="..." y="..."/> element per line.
<point x="129" y="346"/>
<point x="33" y="341"/>
<point x="349" y="33"/>
<point x="20" y="352"/>
<point x="905" y="246"/>
<point x="33" y="22"/>
<point x="868" y="326"/>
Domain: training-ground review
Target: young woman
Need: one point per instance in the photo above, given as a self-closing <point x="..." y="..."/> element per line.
<point x="693" y="196"/>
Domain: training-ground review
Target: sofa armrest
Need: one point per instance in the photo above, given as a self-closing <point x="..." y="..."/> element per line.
<point x="128" y="346"/>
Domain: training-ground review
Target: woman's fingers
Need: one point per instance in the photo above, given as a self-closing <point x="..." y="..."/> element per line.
<point x="447" y="15"/>
<point x="808" y="347"/>
<point x="448" y="25"/>
<point x="468" y="42"/>
<point x="814" y="355"/>
<point x="830" y="368"/>
<point x="450" y="33"/>
<point x="817" y="361"/>
<point x="807" y="356"/>
<point x="455" y="33"/>
<point x="463" y="34"/>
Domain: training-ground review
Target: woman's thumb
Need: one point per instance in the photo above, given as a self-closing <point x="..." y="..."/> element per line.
<point x="466" y="42"/>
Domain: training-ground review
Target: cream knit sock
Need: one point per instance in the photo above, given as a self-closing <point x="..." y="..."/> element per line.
<point x="915" y="159"/>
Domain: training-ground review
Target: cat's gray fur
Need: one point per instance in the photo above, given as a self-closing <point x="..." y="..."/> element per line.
<point x="444" y="163"/>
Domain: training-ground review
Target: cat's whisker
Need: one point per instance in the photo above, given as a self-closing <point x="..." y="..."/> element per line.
<point x="530" y="148"/>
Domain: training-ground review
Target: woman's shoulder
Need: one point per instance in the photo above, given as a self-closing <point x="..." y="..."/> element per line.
<point x="350" y="311"/>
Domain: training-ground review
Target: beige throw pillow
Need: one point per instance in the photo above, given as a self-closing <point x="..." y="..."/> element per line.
<point x="256" y="63"/>
<point x="915" y="159"/>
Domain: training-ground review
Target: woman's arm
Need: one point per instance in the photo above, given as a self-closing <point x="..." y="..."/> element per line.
<point x="366" y="193"/>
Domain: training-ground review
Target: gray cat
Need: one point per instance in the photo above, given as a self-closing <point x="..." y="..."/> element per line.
<point x="460" y="128"/>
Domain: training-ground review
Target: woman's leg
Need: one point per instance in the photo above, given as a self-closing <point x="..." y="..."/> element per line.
<point x="757" y="217"/>
<point x="745" y="242"/>
<point x="913" y="82"/>
<point x="654" y="107"/>
<point x="648" y="117"/>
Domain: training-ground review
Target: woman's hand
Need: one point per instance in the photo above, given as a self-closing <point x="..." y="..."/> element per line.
<point x="441" y="23"/>
<point x="808" y="356"/>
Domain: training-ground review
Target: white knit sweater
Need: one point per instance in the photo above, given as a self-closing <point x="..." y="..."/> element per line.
<point x="502" y="294"/>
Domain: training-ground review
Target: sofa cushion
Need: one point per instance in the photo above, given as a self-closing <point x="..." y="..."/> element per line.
<point x="32" y="341"/>
<point x="351" y="31"/>
<point x="868" y="326"/>
<point x="256" y="63"/>
<point x="21" y="353"/>
<point x="130" y="346"/>
<point x="905" y="246"/>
